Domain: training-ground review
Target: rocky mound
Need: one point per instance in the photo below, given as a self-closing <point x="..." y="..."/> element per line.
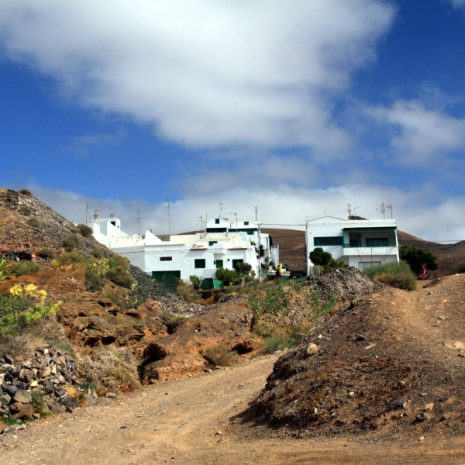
<point x="28" y="226"/>
<point x="393" y="362"/>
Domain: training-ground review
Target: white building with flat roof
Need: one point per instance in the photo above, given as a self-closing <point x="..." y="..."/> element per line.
<point x="184" y="255"/>
<point x="359" y="243"/>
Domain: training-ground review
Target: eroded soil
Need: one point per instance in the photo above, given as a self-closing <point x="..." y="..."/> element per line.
<point x="187" y="421"/>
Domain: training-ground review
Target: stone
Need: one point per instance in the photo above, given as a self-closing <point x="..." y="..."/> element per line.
<point x="9" y="359"/>
<point x="21" y="385"/>
<point x="22" y="396"/>
<point x="5" y="399"/>
<point x="70" y="404"/>
<point x="60" y="392"/>
<point x="422" y="416"/>
<point x="110" y="395"/>
<point x="47" y="371"/>
<point x="10" y="389"/>
<point x="312" y="349"/>
<point x="21" y="411"/>
<point x="3" y="427"/>
<point x="399" y="403"/>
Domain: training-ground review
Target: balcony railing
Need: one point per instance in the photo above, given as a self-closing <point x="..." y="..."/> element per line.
<point x="369" y="244"/>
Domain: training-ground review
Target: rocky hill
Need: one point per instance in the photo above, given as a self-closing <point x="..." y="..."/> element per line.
<point x="392" y="362"/>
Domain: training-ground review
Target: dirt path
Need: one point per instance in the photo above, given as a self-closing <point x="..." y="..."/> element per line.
<point x="186" y="422"/>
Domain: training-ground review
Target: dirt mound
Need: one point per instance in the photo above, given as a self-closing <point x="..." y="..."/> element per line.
<point x="392" y="363"/>
<point x="344" y="284"/>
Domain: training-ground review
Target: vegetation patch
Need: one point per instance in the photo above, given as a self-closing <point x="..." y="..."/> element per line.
<point x="220" y="355"/>
<point x="397" y="275"/>
<point x="70" y="243"/>
<point x="84" y="230"/>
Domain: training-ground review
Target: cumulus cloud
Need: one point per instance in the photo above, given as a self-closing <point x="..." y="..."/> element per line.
<point x="415" y="211"/>
<point x="420" y="133"/>
<point x="457" y="3"/>
<point x="204" y="73"/>
<point x="84" y="143"/>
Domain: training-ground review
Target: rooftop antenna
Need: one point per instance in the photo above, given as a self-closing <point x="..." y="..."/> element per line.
<point x="96" y="213"/>
<point x="256" y="214"/>
<point x="235" y="214"/>
<point x="389" y="207"/>
<point x="168" y="206"/>
<point x="355" y="210"/>
<point x="349" y="209"/>
<point x="221" y="208"/>
<point x="87" y="212"/>
<point x="382" y="210"/>
<point x="138" y="221"/>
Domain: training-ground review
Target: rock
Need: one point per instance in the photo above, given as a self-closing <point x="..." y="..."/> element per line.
<point x="46" y="372"/>
<point x="429" y="406"/>
<point x="21" y="385"/>
<point x="70" y="404"/>
<point x="21" y="411"/>
<point x="422" y="416"/>
<point x="9" y="359"/>
<point x="5" y="399"/>
<point x="312" y="349"/>
<point x="60" y="392"/>
<point x="399" y="403"/>
<point x="3" y="427"/>
<point x="22" y="396"/>
<point x="110" y="395"/>
<point x="11" y="390"/>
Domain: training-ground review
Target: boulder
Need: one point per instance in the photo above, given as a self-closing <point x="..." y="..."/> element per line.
<point x="22" y="396"/>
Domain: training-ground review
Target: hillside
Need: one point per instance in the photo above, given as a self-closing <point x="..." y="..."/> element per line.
<point x="392" y="363"/>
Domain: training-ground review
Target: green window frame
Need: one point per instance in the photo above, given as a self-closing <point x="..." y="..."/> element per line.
<point x="328" y="240"/>
<point x="219" y="264"/>
<point x="199" y="263"/>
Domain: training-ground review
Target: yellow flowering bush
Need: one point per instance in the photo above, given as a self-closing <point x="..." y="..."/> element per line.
<point x="23" y="305"/>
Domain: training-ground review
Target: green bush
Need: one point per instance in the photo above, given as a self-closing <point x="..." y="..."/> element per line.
<point x="418" y="258"/>
<point x="70" y="243"/>
<point x="24" y="305"/>
<point x="93" y="281"/>
<point x="25" y="211"/>
<point x="397" y="275"/>
<point x="24" y="267"/>
<point x="33" y="222"/>
<point x="46" y="253"/>
<point x="196" y="281"/>
<point x="220" y="355"/>
<point x="228" y="277"/>
<point x="26" y="192"/>
<point x="69" y="258"/>
<point x="274" y="343"/>
<point x="119" y="272"/>
<point x="84" y="230"/>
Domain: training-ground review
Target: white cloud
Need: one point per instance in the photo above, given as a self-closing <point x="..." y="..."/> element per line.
<point x="203" y="72"/>
<point x="84" y="143"/>
<point x="457" y="3"/>
<point x="421" y="134"/>
<point x="415" y="211"/>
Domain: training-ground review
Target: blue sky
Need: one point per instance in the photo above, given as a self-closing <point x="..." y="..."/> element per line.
<point x="298" y="108"/>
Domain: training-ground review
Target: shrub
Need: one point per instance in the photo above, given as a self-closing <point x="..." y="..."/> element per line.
<point x="172" y="321"/>
<point x="319" y="257"/>
<point x="274" y="343"/>
<point x="243" y="268"/>
<point x="26" y="192"/>
<point x="228" y="277"/>
<point x="46" y="253"/>
<point x="187" y="293"/>
<point x="38" y="403"/>
<point x="24" y="267"/>
<point x="84" y="230"/>
<point x="33" y="222"/>
<point x="397" y="275"/>
<point x="69" y="258"/>
<point x="220" y="355"/>
<point x="70" y="242"/>
<point x="25" y="211"/>
<point x="119" y="272"/>
<point x="24" y="305"/>
<point x="418" y="258"/>
<point x="196" y="281"/>
<point x="4" y="271"/>
<point x="93" y="281"/>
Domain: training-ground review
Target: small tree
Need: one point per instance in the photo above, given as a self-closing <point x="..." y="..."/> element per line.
<point x="196" y="281"/>
<point x="419" y="259"/>
<point x="228" y="277"/>
<point x="319" y="257"/>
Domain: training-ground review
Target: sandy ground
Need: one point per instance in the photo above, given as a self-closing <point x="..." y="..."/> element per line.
<point x="187" y="422"/>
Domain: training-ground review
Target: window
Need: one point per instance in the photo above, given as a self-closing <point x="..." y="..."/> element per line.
<point x="246" y="223"/>
<point x="166" y="259"/>
<point x="210" y="243"/>
<point x="218" y="264"/>
<point x="236" y="262"/>
<point x="199" y="263"/>
<point x="377" y="242"/>
<point x="217" y="221"/>
<point x="330" y="240"/>
<point x="216" y="230"/>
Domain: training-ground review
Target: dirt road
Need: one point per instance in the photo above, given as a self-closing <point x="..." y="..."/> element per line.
<point x="187" y="422"/>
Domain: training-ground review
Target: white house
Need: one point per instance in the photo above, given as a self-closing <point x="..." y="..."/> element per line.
<point x="359" y="243"/>
<point x="184" y="255"/>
